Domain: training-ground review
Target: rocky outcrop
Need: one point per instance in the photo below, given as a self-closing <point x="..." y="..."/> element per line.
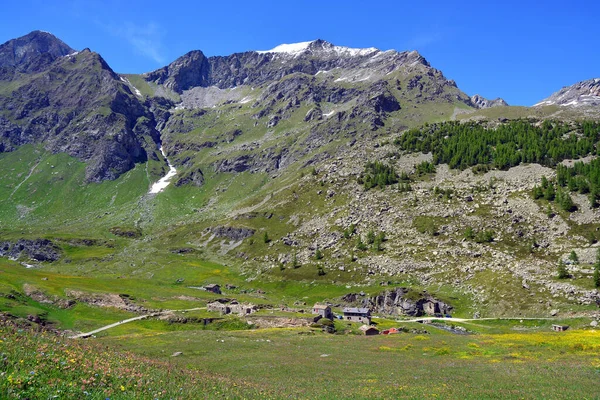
<point x="195" y="177"/>
<point x="585" y="93"/>
<point x="33" y="249"/>
<point x="37" y="295"/>
<point x="111" y="300"/>
<point x="232" y="233"/>
<point x="189" y="70"/>
<point x="31" y="53"/>
<point x="74" y="104"/>
<point x="400" y="301"/>
<point x="478" y="101"/>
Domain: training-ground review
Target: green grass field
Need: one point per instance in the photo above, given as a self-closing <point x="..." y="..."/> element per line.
<point x="519" y="361"/>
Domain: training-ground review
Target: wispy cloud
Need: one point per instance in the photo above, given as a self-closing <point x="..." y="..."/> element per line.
<point x="145" y="39"/>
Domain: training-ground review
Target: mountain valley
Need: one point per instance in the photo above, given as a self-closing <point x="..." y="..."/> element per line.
<point x="309" y="173"/>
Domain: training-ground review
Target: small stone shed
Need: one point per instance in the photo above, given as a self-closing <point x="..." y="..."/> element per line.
<point x="218" y="307"/>
<point x="560" y="328"/>
<point x="369" y="330"/>
<point x="231" y="308"/>
<point x="213" y="287"/>
<point x="323" y="310"/>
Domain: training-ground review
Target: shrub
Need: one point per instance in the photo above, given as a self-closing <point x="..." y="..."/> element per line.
<point x="404" y="177"/>
<point x="266" y="238"/>
<point x="348" y="232"/>
<point x="573" y="257"/>
<point x="425" y="224"/>
<point x="404" y="187"/>
<point x="378" y="174"/>
<point x="469" y="233"/>
<point x="370" y="237"/>
<point x="377" y="244"/>
<point x="425" y="167"/>
<point x="318" y="254"/>
<point x="550" y="192"/>
<point x="295" y="263"/>
<point x="360" y="245"/>
<point x="562" y="270"/>
<point x="484" y="237"/>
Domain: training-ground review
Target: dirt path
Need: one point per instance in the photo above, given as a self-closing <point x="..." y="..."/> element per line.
<point x="156" y="314"/>
<point x="90" y="333"/>
<point x="473" y="319"/>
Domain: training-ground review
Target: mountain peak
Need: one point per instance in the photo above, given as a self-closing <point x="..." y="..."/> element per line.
<point x="318" y="46"/>
<point x="24" y="50"/>
<point x="584" y="93"/>
<point x="481" y="102"/>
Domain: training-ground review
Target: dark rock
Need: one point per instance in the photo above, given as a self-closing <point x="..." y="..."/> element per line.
<point x="194" y="177"/>
<point x="183" y="250"/>
<point x="232" y="233"/>
<point x="273" y="121"/>
<point x="76" y="105"/>
<point x="189" y="70"/>
<point x="238" y="164"/>
<point x="313" y="114"/>
<point x="132" y="233"/>
<point x="32" y="52"/>
<point x="36" y="249"/>
<point x="401" y="301"/>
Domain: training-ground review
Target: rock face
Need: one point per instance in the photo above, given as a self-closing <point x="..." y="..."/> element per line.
<point x="310" y="93"/>
<point x="400" y="301"/>
<point x="36" y="250"/>
<point x="31" y="53"/>
<point x="187" y="71"/>
<point x="481" y="102"/>
<point x="260" y="67"/>
<point x="74" y="104"/>
<point x="232" y="233"/>
<point x="585" y="93"/>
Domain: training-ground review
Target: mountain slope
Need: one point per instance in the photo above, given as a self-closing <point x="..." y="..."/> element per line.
<point x="310" y="170"/>
<point x="31" y="53"/>
<point x="584" y="93"/>
<point x="72" y="103"/>
<point x="277" y="107"/>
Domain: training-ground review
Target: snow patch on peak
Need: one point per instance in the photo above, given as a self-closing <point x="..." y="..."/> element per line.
<point x="321" y="46"/>
<point x="292" y="48"/>
<point x="354" y="52"/>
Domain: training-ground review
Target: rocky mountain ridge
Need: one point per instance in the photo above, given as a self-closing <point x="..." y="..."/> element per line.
<point x="481" y="102"/>
<point x="72" y="102"/>
<point x="194" y="69"/>
<point x="584" y="93"/>
<point x="31" y="53"/>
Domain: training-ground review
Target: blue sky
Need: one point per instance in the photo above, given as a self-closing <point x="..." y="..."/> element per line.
<point x="521" y="51"/>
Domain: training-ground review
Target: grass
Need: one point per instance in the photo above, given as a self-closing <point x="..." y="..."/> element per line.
<point x="509" y="365"/>
<point x="504" y="360"/>
<point x="42" y="365"/>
